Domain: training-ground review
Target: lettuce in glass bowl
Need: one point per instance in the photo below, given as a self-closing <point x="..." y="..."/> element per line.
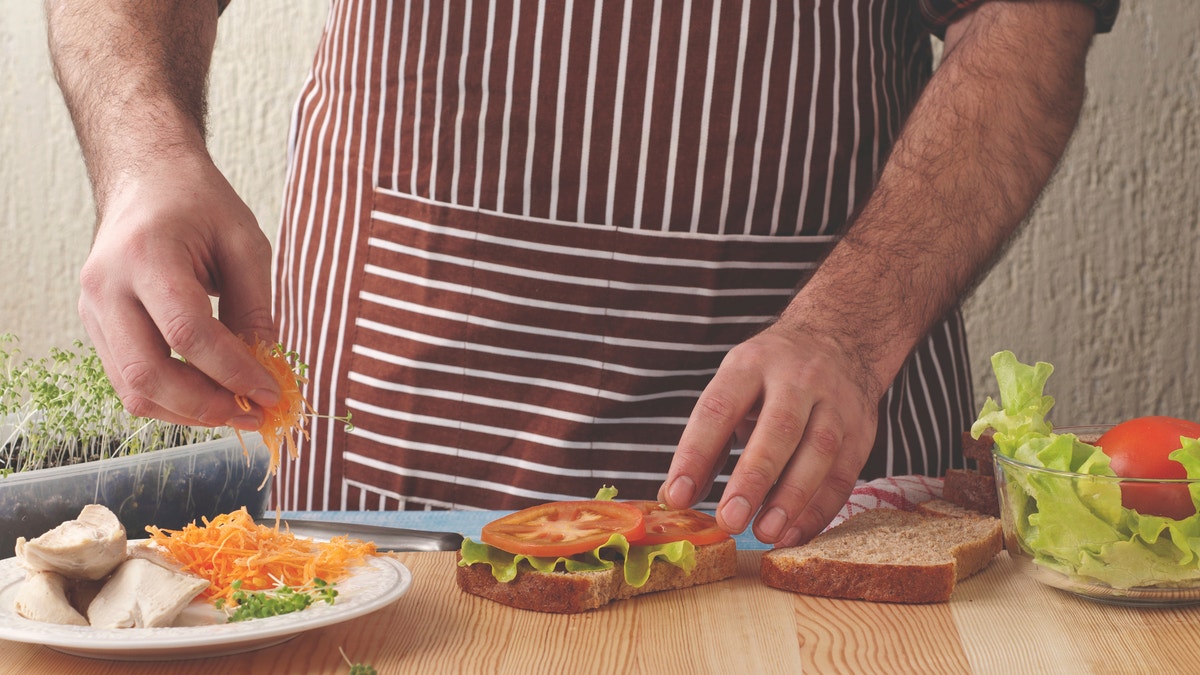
<point x="1061" y="506"/>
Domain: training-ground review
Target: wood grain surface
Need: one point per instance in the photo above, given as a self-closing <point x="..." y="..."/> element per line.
<point x="996" y="622"/>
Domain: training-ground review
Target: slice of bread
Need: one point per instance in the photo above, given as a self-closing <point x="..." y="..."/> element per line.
<point x="979" y="452"/>
<point x="971" y="490"/>
<point x="887" y="555"/>
<point x="974" y="487"/>
<point x="942" y="507"/>
<point x="570" y="592"/>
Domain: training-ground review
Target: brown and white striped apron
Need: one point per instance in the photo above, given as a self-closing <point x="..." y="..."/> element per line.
<point x="520" y="235"/>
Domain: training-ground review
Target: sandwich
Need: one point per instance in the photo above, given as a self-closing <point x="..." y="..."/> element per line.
<point x="573" y="556"/>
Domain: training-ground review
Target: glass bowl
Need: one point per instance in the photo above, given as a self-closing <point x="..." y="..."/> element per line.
<point x="1050" y="534"/>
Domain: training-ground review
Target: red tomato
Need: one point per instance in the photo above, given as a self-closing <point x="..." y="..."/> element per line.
<point x="664" y="526"/>
<point x="1138" y="448"/>
<point x="564" y="528"/>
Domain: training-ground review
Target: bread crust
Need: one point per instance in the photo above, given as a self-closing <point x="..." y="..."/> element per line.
<point x="979" y="451"/>
<point x="972" y="490"/>
<point x="861" y="581"/>
<point x="564" y="592"/>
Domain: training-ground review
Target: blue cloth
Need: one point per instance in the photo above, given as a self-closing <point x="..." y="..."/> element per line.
<point x="466" y="523"/>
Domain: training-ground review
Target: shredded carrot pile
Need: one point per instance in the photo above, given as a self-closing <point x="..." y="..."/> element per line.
<point x="285" y="417"/>
<point x="232" y="547"/>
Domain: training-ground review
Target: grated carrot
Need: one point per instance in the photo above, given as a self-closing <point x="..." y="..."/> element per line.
<point x="232" y="547"/>
<point x="285" y="417"/>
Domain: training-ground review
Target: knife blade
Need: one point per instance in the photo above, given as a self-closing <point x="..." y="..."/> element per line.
<point x="386" y="538"/>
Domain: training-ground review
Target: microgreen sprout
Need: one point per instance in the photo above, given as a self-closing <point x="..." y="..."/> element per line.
<point x="357" y="668"/>
<point x="61" y="409"/>
<point x="276" y="601"/>
<point x="300" y="368"/>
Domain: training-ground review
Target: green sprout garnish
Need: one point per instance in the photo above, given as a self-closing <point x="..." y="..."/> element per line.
<point x="277" y="601"/>
<point x="357" y="668"/>
<point x="62" y="409"/>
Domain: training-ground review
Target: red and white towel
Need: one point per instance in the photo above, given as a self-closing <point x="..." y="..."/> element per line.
<point x="895" y="492"/>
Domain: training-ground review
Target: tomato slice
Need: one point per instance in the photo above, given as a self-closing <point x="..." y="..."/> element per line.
<point x="664" y="525"/>
<point x="564" y="528"/>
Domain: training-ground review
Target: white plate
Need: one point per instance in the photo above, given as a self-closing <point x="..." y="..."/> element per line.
<point x="369" y="588"/>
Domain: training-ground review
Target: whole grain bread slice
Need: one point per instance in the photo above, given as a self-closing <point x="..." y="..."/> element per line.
<point x="979" y="452"/>
<point x="971" y="490"/>
<point x="887" y="555"/>
<point x="943" y="507"/>
<point x="571" y="592"/>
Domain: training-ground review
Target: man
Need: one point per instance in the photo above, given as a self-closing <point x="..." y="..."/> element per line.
<point x="520" y="237"/>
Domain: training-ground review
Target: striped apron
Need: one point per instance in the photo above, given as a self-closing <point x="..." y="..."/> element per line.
<point x="520" y="235"/>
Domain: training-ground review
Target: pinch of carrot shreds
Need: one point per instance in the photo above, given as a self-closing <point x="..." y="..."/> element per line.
<point x="233" y="548"/>
<point x="287" y="417"/>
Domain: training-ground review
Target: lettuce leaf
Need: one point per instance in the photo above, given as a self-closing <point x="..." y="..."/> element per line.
<point x="1079" y="527"/>
<point x="1025" y="406"/>
<point x="637" y="559"/>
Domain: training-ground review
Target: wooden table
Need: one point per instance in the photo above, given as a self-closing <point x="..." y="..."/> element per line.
<point x="997" y="622"/>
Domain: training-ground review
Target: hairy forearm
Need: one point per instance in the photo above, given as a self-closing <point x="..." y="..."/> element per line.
<point x="976" y="152"/>
<point x="133" y="75"/>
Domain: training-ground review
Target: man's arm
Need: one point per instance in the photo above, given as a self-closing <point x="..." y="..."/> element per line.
<point x="977" y="150"/>
<point x="170" y="229"/>
<point x="133" y="77"/>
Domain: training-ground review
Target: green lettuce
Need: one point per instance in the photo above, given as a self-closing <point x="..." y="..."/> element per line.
<point x="637" y="559"/>
<point x="1079" y="527"/>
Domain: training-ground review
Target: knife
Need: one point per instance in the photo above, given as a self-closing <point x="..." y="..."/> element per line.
<point x="385" y="538"/>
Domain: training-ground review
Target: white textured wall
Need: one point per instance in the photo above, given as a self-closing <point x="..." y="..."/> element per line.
<point x="1100" y="282"/>
<point x="264" y="48"/>
<point x="1103" y="280"/>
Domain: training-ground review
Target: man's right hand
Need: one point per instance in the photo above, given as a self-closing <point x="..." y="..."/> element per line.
<point x="172" y="233"/>
<point x="167" y="240"/>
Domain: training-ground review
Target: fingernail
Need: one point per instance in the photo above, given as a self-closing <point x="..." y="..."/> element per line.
<point x="681" y="491"/>
<point x="245" y="423"/>
<point x="736" y="513"/>
<point x="771" y="524"/>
